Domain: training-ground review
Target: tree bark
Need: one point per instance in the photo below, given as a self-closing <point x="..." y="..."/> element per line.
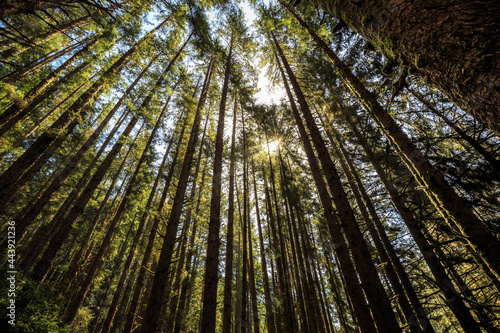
<point x="454" y="46"/>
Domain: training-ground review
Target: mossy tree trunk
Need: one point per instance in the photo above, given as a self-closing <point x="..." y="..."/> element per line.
<point x="453" y="45"/>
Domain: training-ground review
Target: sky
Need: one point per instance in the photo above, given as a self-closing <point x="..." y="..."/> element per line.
<point x="268" y="94"/>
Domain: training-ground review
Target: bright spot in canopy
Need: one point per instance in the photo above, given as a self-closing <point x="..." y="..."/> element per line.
<point x="272" y="146"/>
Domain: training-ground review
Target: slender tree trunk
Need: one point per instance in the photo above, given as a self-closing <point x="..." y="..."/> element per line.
<point x="454" y="209"/>
<point x="74" y="162"/>
<point x="36" y="39"/>
<point x="62" y="28"/>
<point x="37" y="94"/>
<point x="184" y="299"/>
<point x="33" y="66"/>
<point x="228" y="278"/>
<point x="251" y="276"/>
<point x="208" y="315"/>
<point x="150" y="321"/>
<point x="244" y="236"/>
<point x="361" y="309"/>
<point x="454" y="46"/>
<point x="420" y="313"/>
<point x="45" y="263"/>
<point x="177" y="288"/>
<point x="265" y="279"/>
<point x="21" y="139"/>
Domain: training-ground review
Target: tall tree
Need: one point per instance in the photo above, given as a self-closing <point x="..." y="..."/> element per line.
<point x="208" y="322"/>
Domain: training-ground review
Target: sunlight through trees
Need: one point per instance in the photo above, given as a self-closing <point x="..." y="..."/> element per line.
<point x="250" y="166"/>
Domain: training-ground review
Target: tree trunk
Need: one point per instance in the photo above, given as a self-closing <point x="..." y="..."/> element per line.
<point x="361" y="309"/>
<point x="45" y="263"/>
<point x="62" y="28"/>
<point x="228" y="278"/>
<point x="172" y="314"/>
<point x="74" y="162"/>
<point x="35" y="96"/>
<point x="187" y="284"/>
<point x="265" y="280"/>
<point x="452" y="298"/>
<point x="490" y="158"/>
<point x="33" y="66"/>
<point x="208" y="315"/>
<point x="125" y="203"/>
<point x="453" y="46"/>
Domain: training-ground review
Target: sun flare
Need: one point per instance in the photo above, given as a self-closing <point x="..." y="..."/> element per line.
<point x="272" y="146"/>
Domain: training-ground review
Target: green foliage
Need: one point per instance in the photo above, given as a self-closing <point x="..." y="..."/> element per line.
<point x="37" y="311"/>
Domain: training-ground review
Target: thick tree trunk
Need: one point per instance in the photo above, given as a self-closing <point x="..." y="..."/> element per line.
<point x="371" y="219"/>
<point x="454" y="46"/>
<point x="208" y="315"/>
